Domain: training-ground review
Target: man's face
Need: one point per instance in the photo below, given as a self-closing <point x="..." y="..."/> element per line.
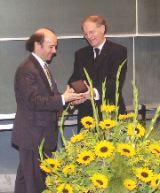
<point x="48" y="49"/>
<point x="94" y="34"/>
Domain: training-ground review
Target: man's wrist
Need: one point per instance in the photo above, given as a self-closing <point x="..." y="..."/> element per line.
<point x="96" y="94"/>
<point x="63" y="101"/>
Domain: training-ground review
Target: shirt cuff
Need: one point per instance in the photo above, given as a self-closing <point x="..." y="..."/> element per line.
<point x="97" y="96"/>
<point x="63" y="101"/>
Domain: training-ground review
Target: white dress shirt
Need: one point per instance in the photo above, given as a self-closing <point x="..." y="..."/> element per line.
<point x="42" y="63"/>
<point x="99" y="47"/>
<point x="97" y="95"/>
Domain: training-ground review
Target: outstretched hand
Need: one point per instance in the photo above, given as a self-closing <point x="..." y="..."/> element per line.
<point x="86" y="96"/>
<point x="70" y="95"/>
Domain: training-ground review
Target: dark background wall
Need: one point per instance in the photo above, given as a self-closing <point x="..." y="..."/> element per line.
<point x="132" y="23"/>
<point x="20" y="18"/>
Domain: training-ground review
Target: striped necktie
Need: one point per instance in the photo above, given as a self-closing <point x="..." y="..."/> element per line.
<point x="48" y="75"/>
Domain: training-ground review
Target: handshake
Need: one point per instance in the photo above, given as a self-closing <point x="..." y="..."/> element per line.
<point x="77" y="92"/>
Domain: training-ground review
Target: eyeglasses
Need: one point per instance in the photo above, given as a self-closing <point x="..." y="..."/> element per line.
<point x="91" y="32"/>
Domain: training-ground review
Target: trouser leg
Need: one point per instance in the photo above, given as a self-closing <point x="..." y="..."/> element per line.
<point x="20" y="186"/>
<point x="30" y="179"/>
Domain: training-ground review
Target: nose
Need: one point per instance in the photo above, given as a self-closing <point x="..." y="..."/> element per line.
<point x="89" y="36"/>
<point x="54" y="50"/>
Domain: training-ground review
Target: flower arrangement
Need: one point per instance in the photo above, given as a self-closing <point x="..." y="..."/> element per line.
<point x="116" y="154"/>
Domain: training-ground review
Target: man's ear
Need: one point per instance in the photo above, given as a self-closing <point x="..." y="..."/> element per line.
<point x="37" y="46"/>
<point x="103" y="29"/>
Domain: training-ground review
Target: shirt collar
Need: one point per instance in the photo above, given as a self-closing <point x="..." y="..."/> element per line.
<point x="41" y="62"/>
<point x="101" y="45"/>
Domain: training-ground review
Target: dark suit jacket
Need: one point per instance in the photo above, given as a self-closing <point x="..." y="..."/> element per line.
<point x="37" y="107"/>
<point x="105" y="66"/>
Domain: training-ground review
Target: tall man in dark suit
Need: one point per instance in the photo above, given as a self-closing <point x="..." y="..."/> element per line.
<point x="101" y="60"/>
<point x="38" y="102"/>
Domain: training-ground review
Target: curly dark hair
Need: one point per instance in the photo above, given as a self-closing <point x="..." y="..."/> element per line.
<point x="37" y="37"/>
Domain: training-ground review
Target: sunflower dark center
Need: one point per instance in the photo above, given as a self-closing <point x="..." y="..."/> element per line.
<point x="100" y="182"/>
<point x="126" y="150"/>
<point x="157" y="150"/>
<point x="107" y="124"/>
<point x="86" y="157"/>
<point x="104" y="149"/>
<point x="157" y="181"/>
<point x="52" y="165"/>
<point x="88" y="123"/>
<point x="65" y="190"/>
<point x="144" y="174"/>
<point x="137" y="130"/>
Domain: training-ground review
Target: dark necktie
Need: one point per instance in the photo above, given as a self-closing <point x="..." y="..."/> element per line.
<point x="97" y="52"/>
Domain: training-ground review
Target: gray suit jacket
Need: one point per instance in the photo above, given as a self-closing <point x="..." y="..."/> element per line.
<point x="37" y="107"/>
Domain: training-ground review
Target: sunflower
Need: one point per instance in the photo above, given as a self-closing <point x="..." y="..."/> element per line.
<point x="126" y="116"/>
<point x="88" y="122"/>
<point x="107" y="124"/>
<point x="68" y="169"/>
<point x="64" y="188"/>
<point x="129" y="184"/>
<point x="155" y="182"/>
<point x="49" y="165"/>
<point x="126" y="150"/>
<point x="136" y="131"/>
<point x="155" y="149"/>
<point x="108" y="108"/>
<point x="144" y="174"/>
<point x="85" y="157"/>
<point x="104" y="149"/>
<point x="77" y="138"/>
<point x="99" y="181"/>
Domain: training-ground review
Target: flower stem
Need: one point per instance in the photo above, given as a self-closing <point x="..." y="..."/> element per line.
<point x="117" y="132"/>
<point x="94" y="108"/>
<point x="117" y="87"/>
<point x="61" y="125"/>
<point x="153" y="121"/>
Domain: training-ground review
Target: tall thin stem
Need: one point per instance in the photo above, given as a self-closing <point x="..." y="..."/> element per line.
<point x="95" y="110"/>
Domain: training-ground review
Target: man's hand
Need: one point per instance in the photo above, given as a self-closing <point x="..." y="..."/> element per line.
<point x="77" y="102"/>
<point x="86" y="96"/>
<point x="70" y="95"/>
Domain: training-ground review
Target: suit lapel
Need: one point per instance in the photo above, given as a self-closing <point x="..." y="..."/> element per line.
<point x="89" y="65"/>
<point x="105" y="54"/>
<point x="41" y="72"/>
